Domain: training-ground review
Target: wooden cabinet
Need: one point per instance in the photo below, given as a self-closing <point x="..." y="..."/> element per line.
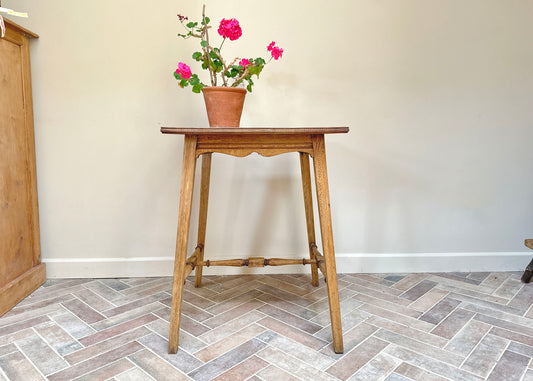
<point x="21" y="270"/>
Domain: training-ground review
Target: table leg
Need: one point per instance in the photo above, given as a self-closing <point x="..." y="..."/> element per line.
<point x="184" y="217"/>
<point x="308" y="201"/>
<point x="324" y="212"/>
<point x="202" y="219"/>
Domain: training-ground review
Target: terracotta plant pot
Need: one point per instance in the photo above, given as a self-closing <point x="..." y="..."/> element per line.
<point x="224" y="105"/>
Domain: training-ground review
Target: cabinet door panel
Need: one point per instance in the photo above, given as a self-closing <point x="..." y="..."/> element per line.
<point x="16" y="231"/>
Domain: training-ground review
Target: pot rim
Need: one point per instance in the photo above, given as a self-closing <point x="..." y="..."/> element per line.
<point x="223" y="88"/>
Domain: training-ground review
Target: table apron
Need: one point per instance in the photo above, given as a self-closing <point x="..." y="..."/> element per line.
<point x="244" y="145"/>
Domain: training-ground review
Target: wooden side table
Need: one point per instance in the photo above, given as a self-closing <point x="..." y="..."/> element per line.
<point x="242" y="142"/>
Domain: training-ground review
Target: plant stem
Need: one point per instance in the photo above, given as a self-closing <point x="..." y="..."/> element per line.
<point x="211" y="74"/>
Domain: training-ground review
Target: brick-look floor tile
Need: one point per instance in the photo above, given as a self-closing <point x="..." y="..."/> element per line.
<point x="402" y="319"/>
<point x="523" y="329"/>
<point x="523" y="299"/>
<point x="117" y="329"/>
<point x="244" y="370"/>
<point x="510" y="367"/>
<point x="429" y="299"/>
<point x="509" y="288"/>
<point x="407" y="311"/>
<point x="458" y="328"/>
<point x="83" y="311"/>
<point x="234" y="302"/>
<point x="272" y="372"/>
<point x="409" y="281"/>
<point x="431" y="365"/>
<point x="181" y="360"/>
<point x="17" y="367"/>
<point x="233" y="313"/>
<point x="134" y="374"/>
<point x="227" y="360"/>
<point x="96" y="362"/>
<point x="58" y="338"/>
<point x="397" y="377"/>
<point x="293" y="366"/>
<point x="73" y="325"/>
<point x="528" y="376"/>
<point x="453" y="323"/>
<point x="418" y="290"/>
<point x="351" y="339"/>
<point x="349" y="320"/>
<point x="93" y="300"/>
<point x="418" y="347"/>
<point x="156" y="367"/>
<point x="376" y="369"/>
<point x="126" y="316"/>
<point x="485" y="355"/>
<point x="103" y="346"/>
<point x="6" y="349"/>
<point x="290" y="319"/>
<point x="401" y="329"/>
<point x="41" y="355"/>
<point x="506" y="334"/>
<point x="135" y="304"/>
<point x="436" y="314"/>
<point x="296" y="335"/>
<point x="220" y="347"/>
<point x="288" y="306"/>
<point x="464" y="342"/>
<point x="13" y="328"/>
<point x="107" y="371"/>
<point x="379" y="295"/>
<point x="418" y="374"/>
<point x="187" y="341"/>
<point x="357" y="358"/>
<point x="297" y="350"/>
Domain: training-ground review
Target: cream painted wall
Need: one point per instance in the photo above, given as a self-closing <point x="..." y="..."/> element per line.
<point x="438" y="96"/>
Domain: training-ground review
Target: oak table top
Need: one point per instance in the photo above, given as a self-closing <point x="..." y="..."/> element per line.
<point x="254" y="130"/>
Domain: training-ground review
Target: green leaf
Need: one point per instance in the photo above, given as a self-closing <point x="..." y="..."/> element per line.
<point x="203" y="43"/>
<point x="213" y="55"/>
<point x="255" y="70"/>
<point x="198" y="56"/>
<point x="249" y="87"/>
<point x="191" y="24"/>
<point x="184" y="83"/>
<point x="194" y="80"/>
<point x="260" y="61"/>
<point x="197" y="88"/>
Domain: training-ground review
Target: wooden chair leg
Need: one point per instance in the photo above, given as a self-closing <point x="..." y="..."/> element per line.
<point x="184" y="218"/>
<point x="202" y="219"/>
<point x="308" y="201"/>
<point x="528" y="272"/>
<point x="326" y="229"/>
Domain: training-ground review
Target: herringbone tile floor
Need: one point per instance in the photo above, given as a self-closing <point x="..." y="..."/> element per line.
<point x="467" y="326"/>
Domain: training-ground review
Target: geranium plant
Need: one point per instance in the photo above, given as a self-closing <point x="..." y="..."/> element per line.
<point x="232" y="74"/>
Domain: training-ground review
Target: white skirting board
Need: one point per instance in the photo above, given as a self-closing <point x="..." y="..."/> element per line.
<point x="346" y="263"/>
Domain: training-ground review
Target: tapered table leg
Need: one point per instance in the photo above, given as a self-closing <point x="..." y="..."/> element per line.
<point x="202" y="219"/>
<point x="308" y="202"/>
<point x="184" y="218"/>
<point x="326" y="229"/>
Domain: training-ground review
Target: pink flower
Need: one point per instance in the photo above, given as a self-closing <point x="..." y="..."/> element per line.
<point x="276" y="52"/>
<point x="184" y="70"/>
<point x="244" y="62"/>
<point x="230" y="29"/>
